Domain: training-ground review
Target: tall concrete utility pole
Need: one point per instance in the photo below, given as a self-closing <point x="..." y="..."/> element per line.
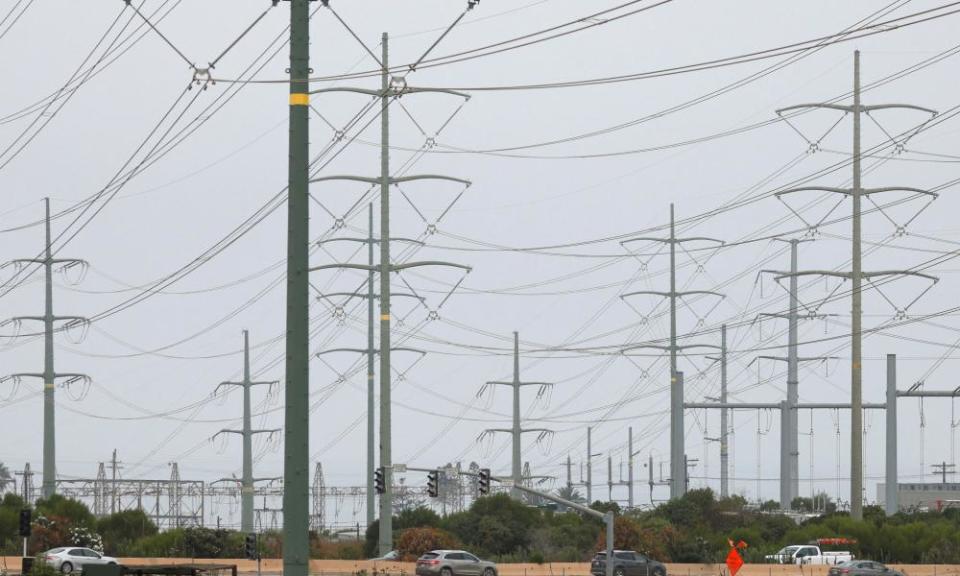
<point x="388" y="91"/>
<point x="678" y="468"/>
<point x="516" y="431"/>
<point x="246" y="433"/>
<point x="49" y="375"/>
<point x="856" y="275"/>
<point x="370" y="351"/>
<point x="723" y="439"/>
<point x="790" y="422"/>
<point x="296" y="446"/>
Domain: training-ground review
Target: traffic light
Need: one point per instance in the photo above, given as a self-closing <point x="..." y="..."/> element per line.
<point x="433" y="483"/>
<point x="378" y="482"/>
<point x="250" y="546"/>
<point x="484" y="481"/>
<point x="25" y="522"/>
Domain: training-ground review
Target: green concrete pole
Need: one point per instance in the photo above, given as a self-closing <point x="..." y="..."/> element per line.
<point x="49" y="400"/>
<point x="296" y="482"/>
<point x="371" y="395"/>
<point x="386" y="499"/>
<point x="246" y="482"/>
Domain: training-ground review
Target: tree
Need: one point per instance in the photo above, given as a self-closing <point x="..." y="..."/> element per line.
<point x="413" y="542"/>
<point x="571" y="494"/>
<point x="626" y="535"/>
<point x="123" y="528"/>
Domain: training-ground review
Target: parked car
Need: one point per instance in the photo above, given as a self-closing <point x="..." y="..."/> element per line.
<point x="453" y="563"/>
<point x="69" y="559"/>
<point x="627" y="563"/>
<point x="807" y="554"/>
<point x="389" y="556"/>
<point x="862" y="568"/>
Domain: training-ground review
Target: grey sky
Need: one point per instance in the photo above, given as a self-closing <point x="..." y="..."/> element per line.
<point x="236" y="161"/>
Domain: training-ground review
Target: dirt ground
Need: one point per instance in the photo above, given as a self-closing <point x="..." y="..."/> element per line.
<point x="343" y="567"/>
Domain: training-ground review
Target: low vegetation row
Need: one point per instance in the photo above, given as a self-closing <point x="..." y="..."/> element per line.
<point x="693" y="529"/>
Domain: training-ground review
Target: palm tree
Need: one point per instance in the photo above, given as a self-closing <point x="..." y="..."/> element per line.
<point x="571" y="494"/>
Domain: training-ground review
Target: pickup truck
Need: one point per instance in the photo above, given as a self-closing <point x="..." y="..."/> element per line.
<point x="627" y="563"/>
<point x="807" y="554"/>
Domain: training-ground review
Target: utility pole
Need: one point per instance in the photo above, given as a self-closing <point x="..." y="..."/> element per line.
<point x="114" y="466"/>
<point x="942" y="469"/>
<point x="678" y="472"/>
<point x="49" y="375"/>
<point x="857" y="192"/>
<point x="724" y="425"/>
<point x="246" y="433"/>
<point x="296" y="445"/>
<point x="790" y="422"/>
<point x="386" y="93"/>
<point x="516" y="431"/>
<point x="371" y="349"/>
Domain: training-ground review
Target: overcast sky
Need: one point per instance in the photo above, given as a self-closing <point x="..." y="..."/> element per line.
<point x="155" y="365"/>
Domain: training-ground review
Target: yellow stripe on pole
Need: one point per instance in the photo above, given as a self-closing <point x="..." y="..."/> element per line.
<point x="385" y="317"/>
<point x="299" y="99"/>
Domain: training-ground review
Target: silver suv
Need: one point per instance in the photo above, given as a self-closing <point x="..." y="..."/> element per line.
<point x="453" y="563"/>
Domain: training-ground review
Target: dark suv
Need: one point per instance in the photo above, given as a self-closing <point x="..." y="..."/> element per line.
<point x="627" y="563"/>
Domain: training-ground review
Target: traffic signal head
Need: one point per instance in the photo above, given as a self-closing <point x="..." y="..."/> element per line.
<point x="250" y="546"/>
<point x="378" y="481"/>
<point x="25" y="522"/>
<point x="484" y="481"/>
<point x="433" y="483"/>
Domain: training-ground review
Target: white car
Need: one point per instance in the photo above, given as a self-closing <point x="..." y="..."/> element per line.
<point x="73" y="559"/>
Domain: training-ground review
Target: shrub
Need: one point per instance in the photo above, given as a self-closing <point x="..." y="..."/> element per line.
<point x="414" y="542"/>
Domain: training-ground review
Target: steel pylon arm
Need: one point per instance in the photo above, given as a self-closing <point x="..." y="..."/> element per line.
<point x="863" y="108"/>
<point x="660" y="347"/>
<point x="849" y="275"/>
<point x="849" y="191"/>
<point x="674" y="241"/>
<point x="669" y="294"/>
<point x="330" y="295"/>
<point x="392" y="179"/>
<point x="367" y="351"/>
<point x="390" y="91"/>
<point x="799" y="359"/>
<point x="504" y="383"/>
<point x="368" y="240"/>
<point x="252" y="383"/>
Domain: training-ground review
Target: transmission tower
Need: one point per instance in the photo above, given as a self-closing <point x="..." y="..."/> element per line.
<point x="790" y="427"/>
<point x="371" y="350"/>
<point x="26" y="485"/>
<point x="390" y="89"/>
<point x="678" y="468"/>
<point x="49" y="375"/>
<point x="318" y="518"/>
<point x="247" y="433"/>
<point x="857" y="192"/>
<point x="516" y="431"/>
